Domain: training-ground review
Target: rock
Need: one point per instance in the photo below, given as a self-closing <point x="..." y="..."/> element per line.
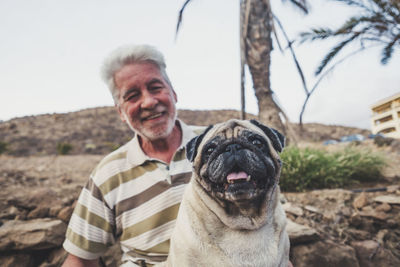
<point x="296" y="210"/>
<point x="300" y="233"/>
<point x="39" y="212"/>
<point x="35" y="234"/>
<point x="362" y="223"/>
<point x="393" y="188"/>
<point x="347" y="211"/>
<point x="390" y="199"/>
<point x="65" y="214"/>
<point x="312" y="209"/>
<point x="385" y="207"/>
<point x="370" y="253"/>
<point x="358" y="234"/>
<point x="380" y="215"/>
<point x="55" y="258"/>
<point x="33" y="198"/>
<point x="360" y="201"/>
<point x="380" y="236"/>
<point x="323" y="253"/>
<point x="9" y="213"/>
<point x="53" y="211"/>
<point x="15" y="260"/>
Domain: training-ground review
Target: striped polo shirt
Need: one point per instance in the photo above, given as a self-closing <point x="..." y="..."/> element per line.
<point x="132" y="198"/>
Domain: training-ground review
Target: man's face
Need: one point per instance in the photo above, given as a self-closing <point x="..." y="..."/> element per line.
<point x="146" y="100"/>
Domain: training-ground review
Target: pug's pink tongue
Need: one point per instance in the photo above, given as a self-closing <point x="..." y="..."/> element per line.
<point x="237" y="176"/>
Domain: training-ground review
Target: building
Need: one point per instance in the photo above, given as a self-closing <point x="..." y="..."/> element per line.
<point x="386" y="116"/>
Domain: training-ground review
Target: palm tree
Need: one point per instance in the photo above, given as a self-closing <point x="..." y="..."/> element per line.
<point x="377" y="24"/>
<point x="257" y="28"/>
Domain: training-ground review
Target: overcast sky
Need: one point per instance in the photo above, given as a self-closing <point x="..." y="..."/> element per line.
<point x="51" y="52"/>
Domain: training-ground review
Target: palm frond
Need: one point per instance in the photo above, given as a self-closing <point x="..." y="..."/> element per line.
<point x="334" y="52"/>
<point x="301" y="4"/>
<point x="290" y="46"/>
<point x="316" y="34"/>
<point x="180" y="17"/>
<point x="354" y="3"/>
<point x="388" y="51"/>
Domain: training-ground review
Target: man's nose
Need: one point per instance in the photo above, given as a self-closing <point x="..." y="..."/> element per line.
<point x="149" y="101"/>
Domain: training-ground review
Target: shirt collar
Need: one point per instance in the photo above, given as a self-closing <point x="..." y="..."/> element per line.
<point x="136" y="155"/>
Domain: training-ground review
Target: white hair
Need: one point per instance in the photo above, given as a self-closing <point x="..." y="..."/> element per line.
<point x="130" y="54"/>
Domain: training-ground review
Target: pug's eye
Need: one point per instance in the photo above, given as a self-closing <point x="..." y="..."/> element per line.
<point x="209" y="150"/>
<point x="257" y="142"/>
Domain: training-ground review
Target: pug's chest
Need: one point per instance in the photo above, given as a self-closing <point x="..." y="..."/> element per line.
<point x="249" y="248"/>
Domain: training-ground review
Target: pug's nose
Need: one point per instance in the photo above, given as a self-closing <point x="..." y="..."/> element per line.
<point x="233" y="148"/>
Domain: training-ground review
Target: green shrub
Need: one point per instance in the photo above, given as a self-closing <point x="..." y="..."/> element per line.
<point x="63" y="148"/>
<point x="306" y="169"/>
<point x="3" y="147"/>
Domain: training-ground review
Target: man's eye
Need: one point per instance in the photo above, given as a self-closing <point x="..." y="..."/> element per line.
<point x="155" y="88"/>
<point x="132" y="97"/>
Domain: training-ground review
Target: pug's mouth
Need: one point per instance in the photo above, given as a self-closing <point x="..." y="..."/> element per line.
<point x="240" y="185"/>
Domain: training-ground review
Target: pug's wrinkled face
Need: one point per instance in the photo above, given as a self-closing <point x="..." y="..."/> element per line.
<point x="237" y="161"/>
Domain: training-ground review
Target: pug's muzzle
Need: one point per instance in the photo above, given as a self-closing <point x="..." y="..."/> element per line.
<point x="239" y="167"/>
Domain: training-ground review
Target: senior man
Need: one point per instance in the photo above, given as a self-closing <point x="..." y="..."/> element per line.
<point x="133" y="195"/>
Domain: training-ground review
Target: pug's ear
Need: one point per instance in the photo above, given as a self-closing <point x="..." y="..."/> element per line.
<point x="192" y="145"/>
<point x="277" y="139"/>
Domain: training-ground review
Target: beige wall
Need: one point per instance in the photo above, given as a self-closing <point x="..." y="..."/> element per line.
<point x="386" y="117"/>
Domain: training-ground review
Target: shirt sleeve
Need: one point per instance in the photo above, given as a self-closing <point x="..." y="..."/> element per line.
<point x="92" y="226"/>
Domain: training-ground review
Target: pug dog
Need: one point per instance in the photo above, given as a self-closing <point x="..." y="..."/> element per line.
<point x="230" y="214"/>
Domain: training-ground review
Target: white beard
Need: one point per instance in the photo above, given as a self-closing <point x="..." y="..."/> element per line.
<point x="149" y="134"/>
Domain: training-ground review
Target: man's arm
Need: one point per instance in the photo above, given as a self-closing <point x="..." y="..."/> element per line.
<point x="74" y="261"/>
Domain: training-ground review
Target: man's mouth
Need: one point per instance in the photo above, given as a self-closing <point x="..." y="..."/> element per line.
<point x="153" y="116"/>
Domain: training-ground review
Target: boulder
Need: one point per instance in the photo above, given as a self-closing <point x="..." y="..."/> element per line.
<point x="300" y="233"/>
<point x="65" y="214"/>
<point x="323" y="253"/>
<point x="38" y="212"/>
<point x="390" y="199"/>
<point x="14" y="260"/>
<point x="31" y="198"/>
<point x="55" y="258"/>
<point x="370" y="253"/>
<point x="37" y="234"/>
<point x="360" y="201"/>
<point x="385" y="207"/>
<point x="293" y="209"/>
<point x="378" y="215"/>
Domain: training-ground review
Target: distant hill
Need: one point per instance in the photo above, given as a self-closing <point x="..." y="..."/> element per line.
<point x="99" y="130"/>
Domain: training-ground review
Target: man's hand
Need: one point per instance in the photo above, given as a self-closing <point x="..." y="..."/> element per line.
<point x="74" y="261"/>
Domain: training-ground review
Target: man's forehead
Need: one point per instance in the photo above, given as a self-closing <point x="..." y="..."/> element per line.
<point x="139" y="68"/>
<point x="130" y="74"/>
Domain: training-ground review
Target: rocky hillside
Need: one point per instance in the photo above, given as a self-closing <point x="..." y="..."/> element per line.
<point x="328" y="228"/>
<point x="99" y="131"/>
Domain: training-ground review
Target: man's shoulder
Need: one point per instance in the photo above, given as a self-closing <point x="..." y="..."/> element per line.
<point x="116" y="158"/>
<point x="197" y="129"/>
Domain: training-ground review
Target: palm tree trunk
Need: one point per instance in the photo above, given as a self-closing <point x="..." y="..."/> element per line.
<point x="258" y="47"/>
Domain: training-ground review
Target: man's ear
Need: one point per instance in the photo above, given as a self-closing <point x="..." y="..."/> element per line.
<point x="120" y="112"/>
<point x="175" y="96"/>
<point x="277" y="139"/>
<point x="192" y="145"/>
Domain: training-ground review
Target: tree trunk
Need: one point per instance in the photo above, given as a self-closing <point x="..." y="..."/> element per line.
<point x="258" y="48"/>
